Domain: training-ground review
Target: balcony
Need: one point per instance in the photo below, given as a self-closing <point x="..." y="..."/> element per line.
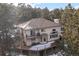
<point x="34" y="35"/>
<point x="54" y="34"/>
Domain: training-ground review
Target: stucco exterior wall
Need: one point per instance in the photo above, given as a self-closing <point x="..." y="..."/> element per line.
<point x="47" y="31"/>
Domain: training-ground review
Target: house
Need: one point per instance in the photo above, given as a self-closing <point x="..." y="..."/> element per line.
<point x="38" y="34"/>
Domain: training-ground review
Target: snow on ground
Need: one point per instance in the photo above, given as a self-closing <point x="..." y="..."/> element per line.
<point x="41" y="46"/>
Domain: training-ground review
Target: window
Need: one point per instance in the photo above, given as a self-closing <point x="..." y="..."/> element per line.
<point x="26" y="35"/>
<point x="32" y="32"/>
<point x="44" y="39"/>
<point x="41" y="39"/>
<point x="54" y="30"/>
<point x="22" y="33"/>
<point x="42" y="30"/>
<point x="24" y="43"/>
<point x="32" y="38"/>
<point x="38" y="34"/>
<point x="62" y="29"/>
<point x="53" y="35"/>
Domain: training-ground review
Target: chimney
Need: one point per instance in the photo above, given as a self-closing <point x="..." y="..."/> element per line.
<point x="56" y="20"/>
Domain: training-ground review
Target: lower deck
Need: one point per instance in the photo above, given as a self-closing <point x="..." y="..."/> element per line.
<point x="40" y="49"/>
<point x="45" y="52"/>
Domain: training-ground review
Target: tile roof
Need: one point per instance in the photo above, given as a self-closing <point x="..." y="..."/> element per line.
<point x="37" y="23"/>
